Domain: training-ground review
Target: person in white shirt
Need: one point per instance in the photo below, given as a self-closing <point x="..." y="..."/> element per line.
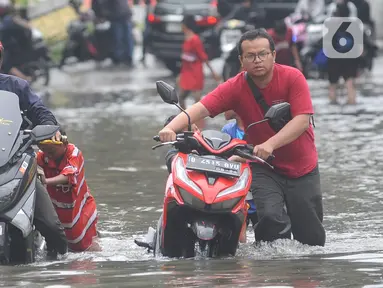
<point x="310" y="8"/>
<point x="334" y="7"/>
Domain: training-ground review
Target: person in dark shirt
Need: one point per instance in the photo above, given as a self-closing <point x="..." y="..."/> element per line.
<point x="46" y="219"/>
<point x="120" y="18"/>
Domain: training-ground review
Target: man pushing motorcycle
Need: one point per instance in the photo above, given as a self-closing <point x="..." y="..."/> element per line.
<point x="46" y="219"/>
<point x="295" y="180"/>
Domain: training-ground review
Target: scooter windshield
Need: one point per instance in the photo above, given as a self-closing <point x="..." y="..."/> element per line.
<point x="10" y="124"/>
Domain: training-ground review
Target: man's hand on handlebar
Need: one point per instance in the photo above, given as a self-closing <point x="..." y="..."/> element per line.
<point x="167" y="135"/>
<point x="264" y="151"/>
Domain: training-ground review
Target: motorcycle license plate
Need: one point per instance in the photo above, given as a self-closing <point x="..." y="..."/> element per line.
<point x="174" y="28"/>
<point x="219" y="166"/>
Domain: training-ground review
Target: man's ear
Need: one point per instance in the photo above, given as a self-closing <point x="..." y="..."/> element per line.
<point x="240" y="60"/>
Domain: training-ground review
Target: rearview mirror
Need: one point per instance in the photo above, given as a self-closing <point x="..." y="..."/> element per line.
<point x="43" y="132"/>
<point x="279" y="111"/>
<point x="167" y="92"/>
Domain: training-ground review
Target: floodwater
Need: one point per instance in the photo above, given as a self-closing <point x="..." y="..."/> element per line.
<point x="127" y="178"/>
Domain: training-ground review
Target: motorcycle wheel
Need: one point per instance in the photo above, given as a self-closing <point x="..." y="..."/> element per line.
<point x="209" y="248"/>
<point x="30" y="254"/>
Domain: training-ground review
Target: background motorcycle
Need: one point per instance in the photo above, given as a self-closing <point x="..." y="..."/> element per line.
<point x="38" y="62"/>
<point x="83" y="43"/>
<point x="19" y="241"/>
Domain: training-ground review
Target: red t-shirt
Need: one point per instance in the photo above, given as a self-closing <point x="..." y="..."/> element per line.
<point x="283" y="46"/>
<point x="288" y="85"/>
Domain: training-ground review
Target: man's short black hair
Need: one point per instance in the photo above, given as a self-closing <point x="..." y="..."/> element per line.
<point x="254" y="34"/>
<point x="169" y="119"/>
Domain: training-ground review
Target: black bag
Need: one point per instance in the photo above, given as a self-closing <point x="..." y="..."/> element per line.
<point x="275" y="124"/>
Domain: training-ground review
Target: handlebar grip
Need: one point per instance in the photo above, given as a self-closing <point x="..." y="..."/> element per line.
<point x="156" y="138"/>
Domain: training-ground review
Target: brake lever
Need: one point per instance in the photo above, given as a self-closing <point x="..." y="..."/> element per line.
<point x="163" y="144"/>
<point x="249" y="156"/>
<point x="262" y="161"/>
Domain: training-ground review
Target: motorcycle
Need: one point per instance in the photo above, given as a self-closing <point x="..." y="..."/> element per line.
<point x="84" y="44"/>
<point x="205" y="195"/>
<point x="298" y="25"/>
<point x="39" y="64"/>
<point x="19" y="240"/>
<point x="314" y="61"/>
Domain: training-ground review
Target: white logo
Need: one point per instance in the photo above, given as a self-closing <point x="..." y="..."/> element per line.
<point x="343" y="37"/>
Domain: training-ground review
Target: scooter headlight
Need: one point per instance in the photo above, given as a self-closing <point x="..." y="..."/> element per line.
<point x="240" y="185"/>
<point x="183" y="176"/>
<point x="8" y="193"/>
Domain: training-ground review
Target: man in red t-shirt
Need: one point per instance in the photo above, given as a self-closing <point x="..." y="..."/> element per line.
<point x="295" y="180"/>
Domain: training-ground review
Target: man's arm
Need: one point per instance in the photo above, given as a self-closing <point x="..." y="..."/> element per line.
<point x="196" y="113"/>
<point x="295" y="128"/>
<point x="37" y="112"/>
<point x="218" y="101"/>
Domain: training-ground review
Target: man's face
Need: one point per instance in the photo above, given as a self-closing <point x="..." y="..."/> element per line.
<point x="53" y="151"/>
<point x="257" y="58"/>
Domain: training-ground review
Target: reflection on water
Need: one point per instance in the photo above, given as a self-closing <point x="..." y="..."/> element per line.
<point x="127" y="179"/>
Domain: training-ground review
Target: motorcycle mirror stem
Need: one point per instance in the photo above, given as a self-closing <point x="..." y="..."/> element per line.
<point x="253" y="124"/>
<point x="183" y="110"/>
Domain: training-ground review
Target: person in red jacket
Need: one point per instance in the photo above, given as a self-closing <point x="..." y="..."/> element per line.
<point x="191" y="78"/>
<point x="285" y="46"/>
<point x="64" y="176"/>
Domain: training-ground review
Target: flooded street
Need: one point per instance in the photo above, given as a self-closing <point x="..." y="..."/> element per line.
<point x="113" y="126"/>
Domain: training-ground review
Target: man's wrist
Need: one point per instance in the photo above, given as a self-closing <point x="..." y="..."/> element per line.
<point x="272" y="142"/>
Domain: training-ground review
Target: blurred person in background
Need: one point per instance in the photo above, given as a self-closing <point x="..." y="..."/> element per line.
<point x="16" y="37"/>
<point x="364" y="11"/>
<point x="310" y="9"/>
<point x="191" y="78"/>
<point x="120" y="18"/>
<point x="345" y="67"/>
<point x="285" y="46"/>
<point x="342" y="7"/>
<point x="145" y="33"/>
